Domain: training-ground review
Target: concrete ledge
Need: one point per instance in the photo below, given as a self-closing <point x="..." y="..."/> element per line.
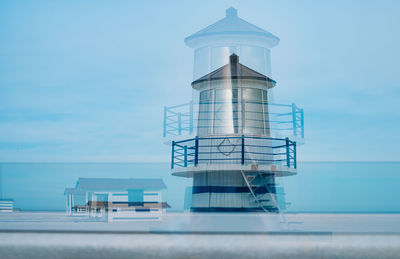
<point x="74" y="245"/>
<point x="278" y="170"/>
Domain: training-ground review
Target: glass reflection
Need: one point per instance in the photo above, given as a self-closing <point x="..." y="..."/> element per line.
<point x="234" y="111"/>
<point x="207" y="59"/>
<point x="205" y="112"/>
<point x="252" y="111"/>
<point x="224" y="112"/>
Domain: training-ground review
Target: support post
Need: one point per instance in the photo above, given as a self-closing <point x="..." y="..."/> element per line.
<point x="294" y="155"/>
<point x="302" y="123"/>
<point x="242" y="149"/>
<point x="185" y="155"/>
<point x="173" y="154"/>
<point x="294" y="119"/>
<point x="287" y="153"/>
<point x="179" y="123"/>
<point x="191" y="118"/>
<point x="165" y="121"/>
<point x="196" y="151"/>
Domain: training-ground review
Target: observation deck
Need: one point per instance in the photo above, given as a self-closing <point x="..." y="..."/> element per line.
<point x="284" y="120"/>
<point x="234" y="153"/>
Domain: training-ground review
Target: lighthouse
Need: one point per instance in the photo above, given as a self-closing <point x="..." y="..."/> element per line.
<point x="232" y="139"/>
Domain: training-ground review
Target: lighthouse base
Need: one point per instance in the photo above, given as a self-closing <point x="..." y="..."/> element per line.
<point x="233" y="191"/>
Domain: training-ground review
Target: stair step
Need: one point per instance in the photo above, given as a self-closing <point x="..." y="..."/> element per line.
<point x="262" y="201"/>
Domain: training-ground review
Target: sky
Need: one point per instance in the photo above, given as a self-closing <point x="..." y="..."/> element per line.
<point x="86" y="81"/>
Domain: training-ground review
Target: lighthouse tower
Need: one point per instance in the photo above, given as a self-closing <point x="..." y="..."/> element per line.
<point x="239" y="140"/>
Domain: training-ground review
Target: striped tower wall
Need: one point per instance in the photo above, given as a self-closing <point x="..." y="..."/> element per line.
<point x="227" y="192"/>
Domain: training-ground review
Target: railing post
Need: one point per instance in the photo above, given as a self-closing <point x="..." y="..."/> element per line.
<point x="173" y="154"/>
<point x="185" y="155"/>
<point x="165" y="121"/>
<point x="191" y="118"/>
<point x="294" y="119"/>
<point x="302" y="122"/>
<point x="242" y="149"/>
<point x="287" y="153"/>
<point x="294" y="155"/>
<point x="179" y="123"/>
<point x="196" y="150"/>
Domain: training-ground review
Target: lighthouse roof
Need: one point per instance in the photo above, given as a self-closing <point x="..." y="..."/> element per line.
<point x="230" y="28"/>
<point x="119" y="184"/>
<point x="234" y="70"/>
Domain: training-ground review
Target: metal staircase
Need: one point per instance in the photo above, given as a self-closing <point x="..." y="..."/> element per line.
<point x="249" y="180"/>
<point x="256" y="181"/>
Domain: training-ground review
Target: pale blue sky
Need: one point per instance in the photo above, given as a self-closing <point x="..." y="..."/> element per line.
<point x="88" y="81"/>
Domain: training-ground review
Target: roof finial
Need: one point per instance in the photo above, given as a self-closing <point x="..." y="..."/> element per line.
<point x="231" y="12"/>
<point x="234" y="59"/>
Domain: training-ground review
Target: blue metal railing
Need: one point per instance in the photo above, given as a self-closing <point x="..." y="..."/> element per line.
<point x="233" y="150"/>
<point x="298" y="121"/>
<point x="180" y="119"/>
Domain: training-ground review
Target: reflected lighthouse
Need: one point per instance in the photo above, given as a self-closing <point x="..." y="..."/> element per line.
<point x="231" y="139"/>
